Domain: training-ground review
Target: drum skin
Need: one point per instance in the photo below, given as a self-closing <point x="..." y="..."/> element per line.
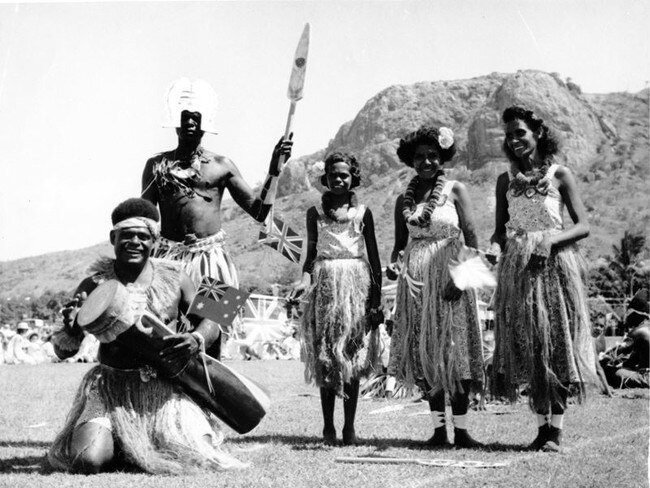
<point x="105" y="313"/>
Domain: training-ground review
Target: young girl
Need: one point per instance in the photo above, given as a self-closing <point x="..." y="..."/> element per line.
<point x="436" y="340"/>
<point x="541" y="322"/>
<point x="344" y="294"/>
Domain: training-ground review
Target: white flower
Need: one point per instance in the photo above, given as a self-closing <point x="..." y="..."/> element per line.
<point x="319" y="166"/>
<point x="445" y="137"/>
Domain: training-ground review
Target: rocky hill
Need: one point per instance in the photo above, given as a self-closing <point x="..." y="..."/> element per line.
<point x="605" y="142"/>
<point x="472" y="108"/>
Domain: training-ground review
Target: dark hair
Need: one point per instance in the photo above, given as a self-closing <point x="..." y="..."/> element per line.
<point x="547" y="143"/>
<point x="134" y="207"/>
<point x="343" y="157"/>
<point x="425" y="135"/>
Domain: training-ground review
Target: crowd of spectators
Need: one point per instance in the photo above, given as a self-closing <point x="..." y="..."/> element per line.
<point x="23" y="344"/>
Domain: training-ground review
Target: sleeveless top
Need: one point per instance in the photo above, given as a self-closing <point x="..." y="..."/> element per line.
<point x="341" y="240"/>
<point x="444" y="219"/>
<point x="532" y="211"/>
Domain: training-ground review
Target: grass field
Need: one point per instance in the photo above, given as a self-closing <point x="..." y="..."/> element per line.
<point x="606" y="439"/>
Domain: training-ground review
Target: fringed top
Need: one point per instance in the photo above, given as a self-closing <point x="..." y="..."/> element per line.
<point x="533" y="211"/>
<point x="444" y="219"/>
<point x="171" y="177"/>
<point x="341" y="240"/>
<point x="160" y="297"/>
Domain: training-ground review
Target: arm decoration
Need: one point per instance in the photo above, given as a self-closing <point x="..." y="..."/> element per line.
<point x="269" y="190"/>
<point x="200" y="339"/>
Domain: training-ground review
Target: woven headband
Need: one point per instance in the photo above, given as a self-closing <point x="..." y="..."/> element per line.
<point x="131" y="222"/>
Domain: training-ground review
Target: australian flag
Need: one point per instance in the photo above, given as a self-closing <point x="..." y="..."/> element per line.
<point x="279" y="236"/>
<point x="216" y="301"/>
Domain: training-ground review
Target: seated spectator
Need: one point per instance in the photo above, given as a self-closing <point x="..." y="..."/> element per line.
<point x="35" y="348"/>
<point x="626" y="365"/>
<point x="17" y="348"/>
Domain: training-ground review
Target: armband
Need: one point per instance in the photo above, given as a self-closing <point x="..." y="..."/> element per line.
<point x="269" y="190"/>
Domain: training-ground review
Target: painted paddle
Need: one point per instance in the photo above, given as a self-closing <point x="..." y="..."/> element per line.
<point x="294" y="93"/>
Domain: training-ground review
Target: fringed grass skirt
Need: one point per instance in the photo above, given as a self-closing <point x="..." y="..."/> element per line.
<point x="542" y="331"/>
<point x="335" y="347"/>
<point x="435" y="340"/>
<point x="158" y="428"/>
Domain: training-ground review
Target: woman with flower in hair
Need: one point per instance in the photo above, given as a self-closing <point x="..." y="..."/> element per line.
<point x="342" y="274"/>
<point x="436" y="340"/>
<point x="543" y="336"/>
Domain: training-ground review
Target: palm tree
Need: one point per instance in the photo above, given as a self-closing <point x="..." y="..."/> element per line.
<point x="626" y="262"/>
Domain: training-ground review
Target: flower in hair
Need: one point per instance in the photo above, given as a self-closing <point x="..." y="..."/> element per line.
<point x="445" y="137"/>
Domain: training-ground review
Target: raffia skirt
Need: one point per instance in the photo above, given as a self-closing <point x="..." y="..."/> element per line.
<point x="157" y="427"/>
<point x="335" y="346"/>
<point x="542" y="330"/>
<point x="434" y="340"/>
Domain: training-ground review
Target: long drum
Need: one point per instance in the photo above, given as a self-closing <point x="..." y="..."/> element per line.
<point x="235" y="399"/>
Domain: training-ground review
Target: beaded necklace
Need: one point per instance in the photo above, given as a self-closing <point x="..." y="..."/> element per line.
<point x="435" y="199"/>
<point x="339" y="215"/>
<point x="529" y="185"/>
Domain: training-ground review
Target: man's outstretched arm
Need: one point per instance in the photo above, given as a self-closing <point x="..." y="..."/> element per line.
<point x="258" y="207"/>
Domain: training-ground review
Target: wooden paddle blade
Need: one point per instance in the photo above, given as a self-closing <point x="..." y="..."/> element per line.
<point x="299" y="67"/>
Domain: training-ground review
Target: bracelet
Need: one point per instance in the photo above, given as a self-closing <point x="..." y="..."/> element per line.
<point x="200" y="339"/>
<point x="267" y="195"/>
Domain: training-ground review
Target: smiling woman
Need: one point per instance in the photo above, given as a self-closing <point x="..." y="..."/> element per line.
<point x="436" y="341"/>
<point x="542" y="331"/>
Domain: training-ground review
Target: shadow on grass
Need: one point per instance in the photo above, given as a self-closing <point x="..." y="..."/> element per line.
<point x="498" y="447"/>
<point x="306" y="443"/>
<point x="25" y="465"/>
<point x="301" y="442"/>
<point x="33" y="444"/>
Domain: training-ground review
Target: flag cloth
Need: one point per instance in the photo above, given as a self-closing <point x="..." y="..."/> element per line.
<point x="283" y="239"/>
<point x="216" y="301"/>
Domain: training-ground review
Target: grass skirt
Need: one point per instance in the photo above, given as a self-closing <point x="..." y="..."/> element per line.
<point x="334" y="343"/>
<point x="158" y="428"/>
<point x="542" y="330"/>
<point x="435" y="340"/>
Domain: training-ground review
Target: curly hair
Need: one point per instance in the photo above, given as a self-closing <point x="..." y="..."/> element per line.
<point x="135" y="207"/>
<point x="343" y="157"/>
<point x="425" y="135"/>
<point x="547" y="144"/>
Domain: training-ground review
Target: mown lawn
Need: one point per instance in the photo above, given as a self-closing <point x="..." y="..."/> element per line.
<point x="607" y="440"/>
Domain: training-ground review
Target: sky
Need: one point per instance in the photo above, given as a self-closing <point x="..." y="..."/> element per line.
<point x="82" y="84"/>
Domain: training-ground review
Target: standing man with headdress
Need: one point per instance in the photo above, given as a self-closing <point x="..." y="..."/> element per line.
<point x="188" y="184"/>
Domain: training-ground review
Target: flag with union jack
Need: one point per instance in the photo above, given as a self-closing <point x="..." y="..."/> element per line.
<point x="279" y="236"/>
<point x="216" y="301"/>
